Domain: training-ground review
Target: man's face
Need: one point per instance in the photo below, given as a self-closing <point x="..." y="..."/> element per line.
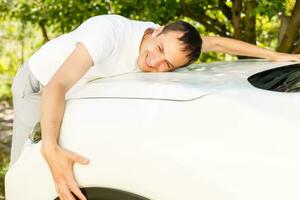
<point x="161" y="52"/>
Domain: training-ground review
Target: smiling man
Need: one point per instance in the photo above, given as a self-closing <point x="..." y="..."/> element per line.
<point x="102" y="46"/>
<point x="169" y="47"/>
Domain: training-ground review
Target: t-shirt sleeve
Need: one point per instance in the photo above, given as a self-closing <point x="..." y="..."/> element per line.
<point x="98" y="36"/>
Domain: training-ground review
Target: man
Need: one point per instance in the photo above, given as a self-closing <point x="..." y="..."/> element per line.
<point x="102" y="46"/>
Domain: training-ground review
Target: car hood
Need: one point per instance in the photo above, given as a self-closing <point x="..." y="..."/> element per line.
<point x="190" y="83"/>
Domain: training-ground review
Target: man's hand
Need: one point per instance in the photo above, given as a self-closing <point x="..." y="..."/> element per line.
<point x="286" y="57"/>
<point x="60" y="162"/>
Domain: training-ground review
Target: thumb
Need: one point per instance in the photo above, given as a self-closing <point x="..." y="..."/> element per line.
<point x="79" y="159"/>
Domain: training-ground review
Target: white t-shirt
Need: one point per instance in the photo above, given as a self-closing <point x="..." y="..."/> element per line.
<point x="112" y="41"/>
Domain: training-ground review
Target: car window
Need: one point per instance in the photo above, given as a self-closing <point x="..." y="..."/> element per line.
<point x="281" y="79"/>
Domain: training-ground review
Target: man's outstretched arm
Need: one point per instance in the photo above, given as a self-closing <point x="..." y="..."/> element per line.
<point x="237" y="47"/>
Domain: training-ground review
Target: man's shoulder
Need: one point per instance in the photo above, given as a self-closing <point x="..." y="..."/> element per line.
<point x="116" y="19"/>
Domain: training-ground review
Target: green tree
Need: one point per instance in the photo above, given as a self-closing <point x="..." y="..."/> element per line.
<point x="290" y="40"/>
<point x="231" y="18"/>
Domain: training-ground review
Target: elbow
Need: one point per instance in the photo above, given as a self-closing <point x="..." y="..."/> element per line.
<point x="53" y="89"/>
<point x="211" y="43"/>
<point x="217" y="44"/>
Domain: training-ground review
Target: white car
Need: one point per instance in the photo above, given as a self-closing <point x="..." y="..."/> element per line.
<point x="203" y="132"/>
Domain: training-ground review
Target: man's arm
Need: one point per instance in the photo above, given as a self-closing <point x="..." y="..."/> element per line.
<point x="61" y="161"/>
<point x="237" y="47"/>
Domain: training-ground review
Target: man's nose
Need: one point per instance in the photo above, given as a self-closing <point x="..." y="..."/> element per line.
<point x="157" y="59"/>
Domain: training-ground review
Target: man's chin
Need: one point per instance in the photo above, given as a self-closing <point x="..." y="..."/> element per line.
<point x="141" y="68"/>
<point x="144" y="68"/>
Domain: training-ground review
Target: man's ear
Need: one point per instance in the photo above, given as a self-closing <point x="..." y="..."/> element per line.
<point x="157" y="31"/>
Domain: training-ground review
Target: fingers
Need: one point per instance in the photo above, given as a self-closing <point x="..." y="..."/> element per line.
<point x="64" y="192"/>
<point x="61" y="163"/>
<point x="78" y="193"/>
<point x="75" y="189"/>
<point x="79" y="159"/>
<point x="72" y="185"/>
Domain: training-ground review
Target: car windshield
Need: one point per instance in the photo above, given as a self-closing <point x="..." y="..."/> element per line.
<point x="282" y="79"/>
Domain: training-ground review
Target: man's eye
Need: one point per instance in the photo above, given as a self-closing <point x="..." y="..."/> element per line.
<point x="160" y="49"/>
<point x="169" y="66"/>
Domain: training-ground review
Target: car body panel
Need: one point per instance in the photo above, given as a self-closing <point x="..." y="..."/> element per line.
<point x="228" y="141"/>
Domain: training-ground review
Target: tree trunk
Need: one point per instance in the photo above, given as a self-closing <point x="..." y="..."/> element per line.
<point x="250" y="35"/>
<point x="44" y="31"/>
<point x="284" y="21"/>
<point x="236" y="18"/>
<point x="291" y="33"/>
<point x="296" y="49"/>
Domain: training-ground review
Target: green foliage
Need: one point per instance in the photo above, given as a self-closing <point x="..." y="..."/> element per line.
<point x="267" y="31"/>
<point x="289" y="5"/>
<point x="270" y="8"/>
<point x="5" y="92"/>
<point x="274" y="7"/>
<point x="4" y="158"/>
<point x="64" y="15"/>
<point x="159" y="11"/>
<point x="14" y="49"/>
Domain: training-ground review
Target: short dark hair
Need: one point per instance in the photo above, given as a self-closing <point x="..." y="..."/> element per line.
<point x="191" y="39"/>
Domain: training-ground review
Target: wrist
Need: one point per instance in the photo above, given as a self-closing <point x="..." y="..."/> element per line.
<point x="277" y="56"/>
<point x="48" y="147"/>
<point x="273" y="56"/>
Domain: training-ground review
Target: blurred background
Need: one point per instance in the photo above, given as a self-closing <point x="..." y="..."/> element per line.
<point x="25" y="25"/>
